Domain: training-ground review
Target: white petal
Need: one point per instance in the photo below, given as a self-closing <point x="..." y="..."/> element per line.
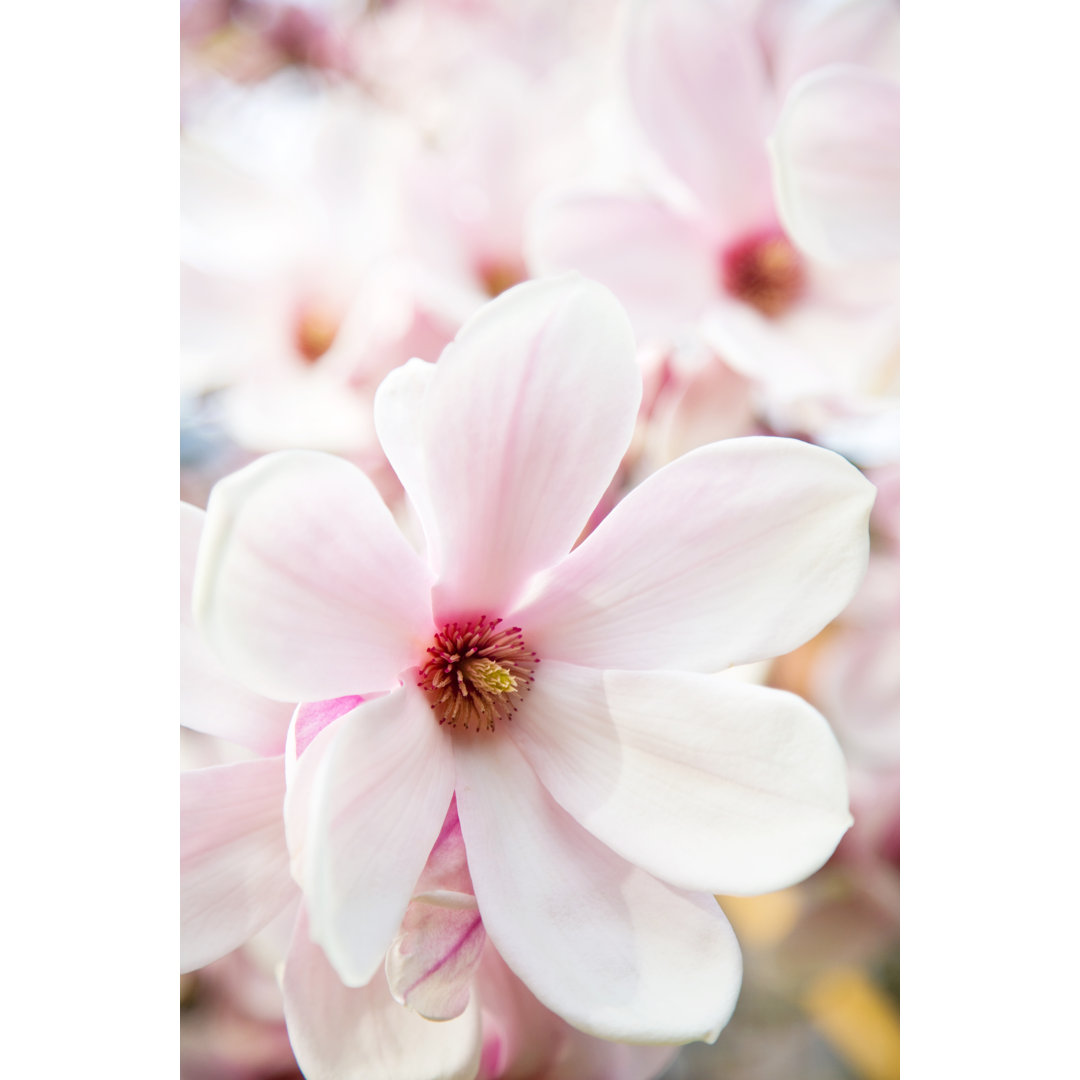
<point x="836" y="156"/>
<point x="234" y="867"/>
<point x="704" y="781"/>
<point x="526" y="419"/>
<point x="378" y="804"/>
<point x="338" y="1033"/>
<point x="304" y="584"/>
<point x="739" y="551"/>
<point x="210" y="700"/>
<point x="611" y="949"/>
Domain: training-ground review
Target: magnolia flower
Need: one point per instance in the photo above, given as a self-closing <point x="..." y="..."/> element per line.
<point x="294" y="303"/>
<point x="566" y="700"/>
<point x="703" y="256"/>
<point x="236" y="879"/>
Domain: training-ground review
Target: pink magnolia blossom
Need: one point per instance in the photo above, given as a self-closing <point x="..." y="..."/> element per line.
<point x="701" y="257"/>
<point x="294" y="302"/>
<point x="566" y="700"/>
<point x="236" y="882"/>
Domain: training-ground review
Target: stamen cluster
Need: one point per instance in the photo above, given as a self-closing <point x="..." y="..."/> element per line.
<point x="765" y="271"/>
<point x="316" y="328"/>
<point x="477" y="673"/>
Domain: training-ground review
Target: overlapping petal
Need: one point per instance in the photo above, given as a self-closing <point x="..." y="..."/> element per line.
<point x="399" y="414"/>
<point x="431" y="964"/>
<point x="311" y="735"/>
<point x="305" y="585"/>
<point x="737" y="552"/>
<point x="836" y="153"/>
<point x="526" y="418"/>
<point x="338" y="1033"/>
<point x="212" y="701"/>
<point x="608" y="947"/>
<point x="707" y="782"/>
<point x="700" y="92"/>
<point x="378" y="804"/>
<point x="234" y="867"/>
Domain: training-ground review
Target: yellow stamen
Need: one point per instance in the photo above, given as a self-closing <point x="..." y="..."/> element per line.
<point x="493" y="677"/>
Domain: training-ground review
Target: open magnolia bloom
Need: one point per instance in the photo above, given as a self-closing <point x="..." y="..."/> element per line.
<point x="567" y="704"/>
<point x="237" y="889"/>
<point x="704" y="256"/>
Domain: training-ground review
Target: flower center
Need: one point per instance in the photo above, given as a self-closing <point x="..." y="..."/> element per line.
<point x="477" y="673"/>
<point x="317" y="325"/>
<point x="765" y="271"/>
<point x="496" y="276"/>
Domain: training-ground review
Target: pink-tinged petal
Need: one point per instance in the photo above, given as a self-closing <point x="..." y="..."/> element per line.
<point x="430" y="965"/>
<point x="526" y="419"/>
<point x="836" y="154"/>
<point x="302" y="772"/>
<point x="304" y="584"/>
<point x="234" y="867"/>
<point x="707" y="782"/>
<point x="210" y="700"/>
<point x="311" y="717"/>
<point x="338" y="1033"/>
<point x="447" y="867"/>
<point x="611" y="949"/>
<point x="737" y="552"/>
<point x="378" y="804"/>
<point x="661" y="266"/>
<point x="700" y="92"/>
